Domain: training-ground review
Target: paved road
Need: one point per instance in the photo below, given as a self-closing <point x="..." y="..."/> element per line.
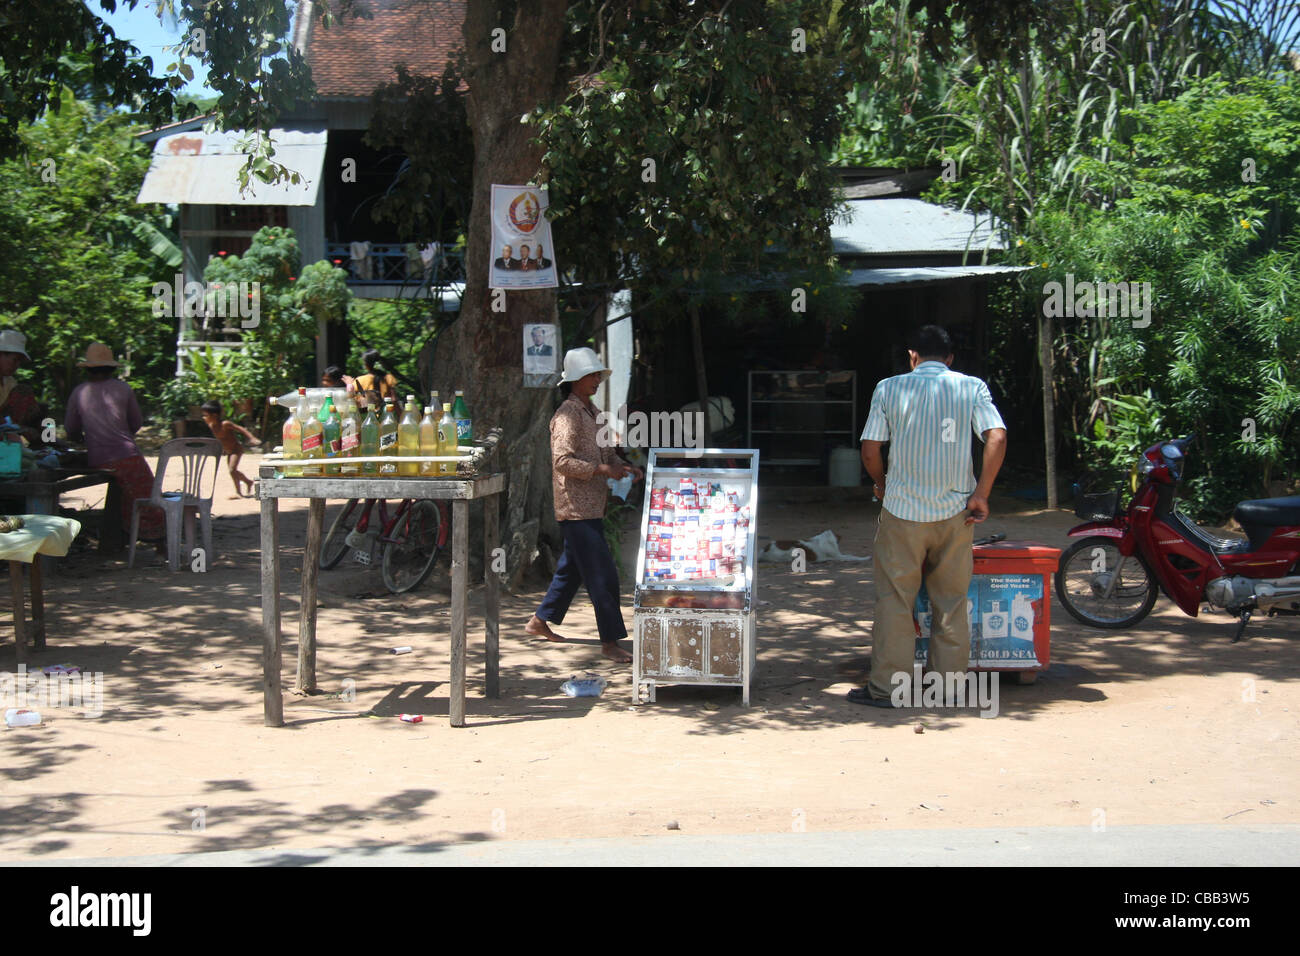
<point x="1040" y="846"/>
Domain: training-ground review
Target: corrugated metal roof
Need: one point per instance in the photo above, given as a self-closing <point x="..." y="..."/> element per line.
<point x="924" y="275"/>
<point x="901" y="226"/>
<point x="201" y="168"/>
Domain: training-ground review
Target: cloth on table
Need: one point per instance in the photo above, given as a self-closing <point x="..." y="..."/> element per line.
<point x="40" y="534"/>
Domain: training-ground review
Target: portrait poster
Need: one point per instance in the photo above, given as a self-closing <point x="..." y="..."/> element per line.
<point x="541" y="348"/>
<point x="522" y="254"/>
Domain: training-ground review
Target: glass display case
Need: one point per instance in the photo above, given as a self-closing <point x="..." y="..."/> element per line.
<point x="695" y="595"/>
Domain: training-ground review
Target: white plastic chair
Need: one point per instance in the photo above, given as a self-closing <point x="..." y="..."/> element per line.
<point x="183" y="505"/>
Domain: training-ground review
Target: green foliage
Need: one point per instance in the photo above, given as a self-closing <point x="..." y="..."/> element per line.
<point x="1222" y="253"/>
<point x="398" y="329"/>
<point x="76" y="260"/>
<point x="291" y="300"/>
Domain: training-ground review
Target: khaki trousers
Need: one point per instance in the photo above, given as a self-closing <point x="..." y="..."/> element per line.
<point x="941" y="550"/>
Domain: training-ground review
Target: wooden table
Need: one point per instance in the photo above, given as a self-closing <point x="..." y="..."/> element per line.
<point x="459" y="491"/>
<point x="50" y="536"/>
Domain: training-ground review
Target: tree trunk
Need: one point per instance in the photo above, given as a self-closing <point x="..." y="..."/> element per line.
<point x="1049" y="406"/>
<point x="701" y="379"/>
<point x="481" y="351"/>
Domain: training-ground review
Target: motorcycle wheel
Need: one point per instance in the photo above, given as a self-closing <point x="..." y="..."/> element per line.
<point x="1085" y="571"/>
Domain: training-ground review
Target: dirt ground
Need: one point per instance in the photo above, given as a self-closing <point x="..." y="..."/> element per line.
<point x="1169" y="723"/>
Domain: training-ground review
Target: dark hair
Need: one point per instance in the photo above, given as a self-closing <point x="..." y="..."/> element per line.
<point x="97" y="372"/>
<point x="213" y="407"/>
<point x="369" y="358"/>
<point x="566" y="388"/>
<point x="931" y="341"/>
<point x="334" y="372"/>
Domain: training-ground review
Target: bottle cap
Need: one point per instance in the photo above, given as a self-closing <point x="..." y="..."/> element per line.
<point x="460" y="391"/>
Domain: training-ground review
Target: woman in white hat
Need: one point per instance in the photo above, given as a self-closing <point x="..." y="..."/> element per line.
<point x="17" y="400"/>
<point x="103" y="412"/>
<point x="580" y="466"/>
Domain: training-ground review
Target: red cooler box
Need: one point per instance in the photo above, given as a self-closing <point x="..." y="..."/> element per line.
<point x="1010" y="608"/>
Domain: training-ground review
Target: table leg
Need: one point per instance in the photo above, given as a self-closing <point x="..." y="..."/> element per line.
<point x="307" y="620"/>
<point x="272" y="696"/>
<point x="16" y="589"/>
<point x="491" y="597"/>
<point x="459" y="573"/>
<point x="38" y="607"/>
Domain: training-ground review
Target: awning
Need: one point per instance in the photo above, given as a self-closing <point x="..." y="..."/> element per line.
<point x="895" y="226"/>
<point x="199" y="168"/>
<point x="926" y="275"/>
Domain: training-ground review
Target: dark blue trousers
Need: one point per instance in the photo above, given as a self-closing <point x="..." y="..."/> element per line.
<point x="586" y="558"/>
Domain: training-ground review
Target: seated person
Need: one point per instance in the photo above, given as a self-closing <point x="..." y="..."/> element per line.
<point x="103" y="412"/>
<point x="17" y="400"/>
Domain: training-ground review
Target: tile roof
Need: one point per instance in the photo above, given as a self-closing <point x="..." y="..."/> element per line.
<point x="354" y="56"/>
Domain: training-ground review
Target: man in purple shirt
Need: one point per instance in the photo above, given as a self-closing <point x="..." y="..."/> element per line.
<point x="103" y="412"/>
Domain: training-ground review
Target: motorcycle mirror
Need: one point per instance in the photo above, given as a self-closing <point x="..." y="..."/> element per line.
<point x="1171" y="451"/>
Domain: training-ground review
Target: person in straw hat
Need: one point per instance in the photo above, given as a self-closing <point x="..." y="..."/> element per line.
<point x="581" y="466"/>
<point x="17" y="400"/>
<point x="102" y="412"/>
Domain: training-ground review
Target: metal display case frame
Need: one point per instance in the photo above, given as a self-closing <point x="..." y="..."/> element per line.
<point x="697" y="631"/>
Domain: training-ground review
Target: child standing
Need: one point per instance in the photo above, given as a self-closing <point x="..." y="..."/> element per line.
<point x="224" y="432"/>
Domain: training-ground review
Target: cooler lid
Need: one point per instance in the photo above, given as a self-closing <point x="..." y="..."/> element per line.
<point x="1017" y="549"/>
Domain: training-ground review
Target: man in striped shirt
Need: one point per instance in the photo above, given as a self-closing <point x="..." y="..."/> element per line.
<point x="931" y="501"/>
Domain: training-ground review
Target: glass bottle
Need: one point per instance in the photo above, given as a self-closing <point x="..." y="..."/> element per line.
<point x="369" y="432"/>
<point x="332" y="435"/>
<point x="291" y="435"/>
<point x="428" y="441"/>
<point x="408" y="439"/>
<point x="388" y="438"/>
<point x="349" y="439"/>
<point x="447" y="440"/>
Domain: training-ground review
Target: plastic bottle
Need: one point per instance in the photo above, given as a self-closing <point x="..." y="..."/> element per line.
<point x="447" y="440"/>
<point x="332" y="434"/>
<point x="291" y="435"/>
<point x="408" y="438"/>
<point x="19" y="717"/>
<point x="464" y="426"/>
<point x="428" y="441"/>
<point x="369" y="432"/>
<point x="388" y="438"/>
<point x="349" y="439"/>
<point x="583" y="686"/>
<point x="436" y="404"/>
<point x="316" y="395"/>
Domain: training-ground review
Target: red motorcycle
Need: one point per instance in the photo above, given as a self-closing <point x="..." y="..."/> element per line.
<point x="1110" y="577"/>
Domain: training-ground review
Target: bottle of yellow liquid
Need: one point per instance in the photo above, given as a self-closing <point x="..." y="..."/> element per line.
<point x="447" y="440"/>
<point x="428" y="442"/>
<point x="350" y="438"/>
<point x="291" y="435"/>
<point x="408" y="439"/>
<point x="313" y="441"/>
<point x="388" y="438"/>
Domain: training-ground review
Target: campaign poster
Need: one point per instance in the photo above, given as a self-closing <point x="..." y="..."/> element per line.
<point x="522" y="254"/>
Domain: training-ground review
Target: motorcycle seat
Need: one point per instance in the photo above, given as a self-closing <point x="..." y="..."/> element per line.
<point x="1269" y="512"/>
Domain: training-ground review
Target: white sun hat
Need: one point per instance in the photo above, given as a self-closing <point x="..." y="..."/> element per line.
<point x="11" y="340"/>
<point x="579" y="363"/>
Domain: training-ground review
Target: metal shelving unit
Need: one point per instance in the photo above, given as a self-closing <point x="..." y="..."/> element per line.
<point x="800" y="404"/>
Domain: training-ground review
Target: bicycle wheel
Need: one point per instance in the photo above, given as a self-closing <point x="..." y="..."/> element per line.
<point x="413" y="550"/>
<point x="1101" y="587"/>
<point x="335" y="544"/>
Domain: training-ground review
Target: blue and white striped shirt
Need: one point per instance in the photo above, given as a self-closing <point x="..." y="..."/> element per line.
<point x="927" y="416"/>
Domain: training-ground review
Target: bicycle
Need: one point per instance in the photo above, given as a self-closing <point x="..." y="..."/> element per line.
<point x="411" y="539"/>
